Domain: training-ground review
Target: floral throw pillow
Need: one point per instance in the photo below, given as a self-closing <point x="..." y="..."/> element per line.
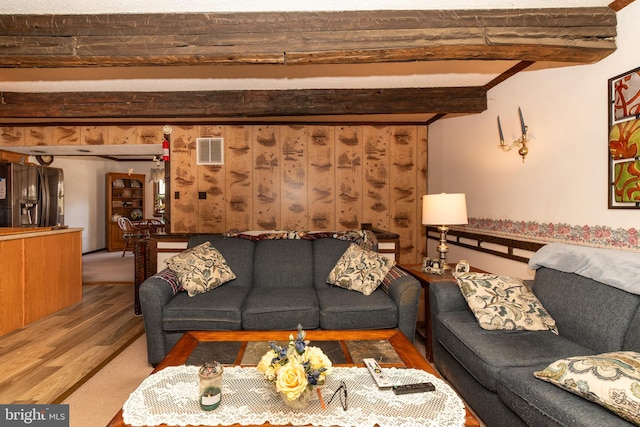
<point x="611" y="380"/>
<point x="200" y="269"/>
<point x="500" y="302"/>
<point x="360" y="270"/>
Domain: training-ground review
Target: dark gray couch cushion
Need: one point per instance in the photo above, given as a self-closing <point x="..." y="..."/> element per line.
<point x="280" y="308"/>
<point x="632" y="339"/>
<point x="540" y="403"/>
<point x="345" y="309"/>
<point x="586" y="312"/>
<point x="283" y="263"/>
<point x="217" y="309"/>
<point x="485" y="353"/>
<point x="236" y="251"/>
<point x="326" y="253"/>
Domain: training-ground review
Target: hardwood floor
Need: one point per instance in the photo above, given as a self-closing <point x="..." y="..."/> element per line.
<point x="49" y="359"/>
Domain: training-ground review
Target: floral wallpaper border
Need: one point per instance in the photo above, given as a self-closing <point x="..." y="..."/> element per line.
<point x="587" y="235"/>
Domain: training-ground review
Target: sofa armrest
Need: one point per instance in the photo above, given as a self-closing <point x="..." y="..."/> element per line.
<point x="405" y="292"/>
<point x="155" y="294"/>
<point x="445" y="297"/>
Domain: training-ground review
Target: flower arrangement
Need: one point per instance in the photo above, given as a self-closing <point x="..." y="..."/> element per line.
<point x="296" y="368"/>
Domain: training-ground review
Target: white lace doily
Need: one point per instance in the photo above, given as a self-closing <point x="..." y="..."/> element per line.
<point x="170" y="397"/>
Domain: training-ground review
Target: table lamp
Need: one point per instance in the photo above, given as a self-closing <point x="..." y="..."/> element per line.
<point x="444" y="210"/>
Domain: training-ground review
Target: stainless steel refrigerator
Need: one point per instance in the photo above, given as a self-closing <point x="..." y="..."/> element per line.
<point x="31" y="196"/>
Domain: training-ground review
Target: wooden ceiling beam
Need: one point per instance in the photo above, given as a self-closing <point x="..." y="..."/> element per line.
<point x="580" y="35"/>
<point x="233" y="104"/>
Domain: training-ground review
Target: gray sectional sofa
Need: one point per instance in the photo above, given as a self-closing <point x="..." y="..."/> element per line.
<point x="493" y="370"/>
<point x="279" y="284"/>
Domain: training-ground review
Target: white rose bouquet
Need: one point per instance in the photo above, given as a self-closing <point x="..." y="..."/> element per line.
<point x="296" y="367"/>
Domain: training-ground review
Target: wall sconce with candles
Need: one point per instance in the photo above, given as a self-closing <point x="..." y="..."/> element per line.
<point x="520" y="142"/>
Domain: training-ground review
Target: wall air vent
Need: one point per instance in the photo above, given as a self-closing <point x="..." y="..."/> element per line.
<point x="210" y="151"/>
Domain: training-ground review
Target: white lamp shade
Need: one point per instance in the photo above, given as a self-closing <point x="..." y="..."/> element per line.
<point x="444" y="209"/>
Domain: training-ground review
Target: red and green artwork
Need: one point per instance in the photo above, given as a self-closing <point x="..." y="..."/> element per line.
<point x="624" y="140"/>
<point x="627" y="182"/>
<point x="626" y="96"/>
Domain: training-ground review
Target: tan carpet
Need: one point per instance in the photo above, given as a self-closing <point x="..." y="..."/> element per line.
<point x="98" y="400"/>
<point x="107" y="267"/>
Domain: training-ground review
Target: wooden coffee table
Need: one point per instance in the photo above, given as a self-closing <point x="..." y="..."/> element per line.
<point x="344" y="348"/>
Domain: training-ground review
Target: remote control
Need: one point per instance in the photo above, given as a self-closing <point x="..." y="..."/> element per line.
<point x="376" y="372"/>
<point x="413" y="388"/>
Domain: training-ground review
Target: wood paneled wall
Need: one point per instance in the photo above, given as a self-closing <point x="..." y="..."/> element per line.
<point x="71" y="135"/>
<point x="277" y="176"/>
<point x="303" y="177"/>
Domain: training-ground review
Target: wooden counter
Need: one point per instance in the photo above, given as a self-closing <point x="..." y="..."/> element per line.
<point x="40" y="273"/>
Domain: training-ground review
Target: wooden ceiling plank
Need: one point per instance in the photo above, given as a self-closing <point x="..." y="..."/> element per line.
<point x="277" y="22"/>
<point x="250" y="38"/>
<point x="618" y="5"/>
<point x="502" y="49"/>
<point x="508" y="74"/>
<point x="568" y="33"/>
<point x="36" y="45"/>
<point x="167" y="49"/>
<point x="229" y="104"/>
<point x="438" y="53"/>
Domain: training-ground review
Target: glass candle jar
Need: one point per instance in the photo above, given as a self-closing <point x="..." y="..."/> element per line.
<point x="210" y="375"/>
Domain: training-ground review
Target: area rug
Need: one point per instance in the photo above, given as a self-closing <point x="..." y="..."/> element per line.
<point x="99" y="399"/>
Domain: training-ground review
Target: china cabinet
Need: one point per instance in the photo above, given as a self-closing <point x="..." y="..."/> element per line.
<point x="125" y="197"/>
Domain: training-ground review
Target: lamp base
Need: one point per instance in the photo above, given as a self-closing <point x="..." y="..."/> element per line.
<point x="442" y="247"/>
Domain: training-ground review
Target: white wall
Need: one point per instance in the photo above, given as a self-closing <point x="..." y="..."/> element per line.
<point x="84" y="201"/>
<point x="564" y="178"/>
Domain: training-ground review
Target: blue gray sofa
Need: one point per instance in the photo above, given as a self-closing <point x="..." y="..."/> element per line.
<point x="493" y="370"/>
<point x="279" y="284"/>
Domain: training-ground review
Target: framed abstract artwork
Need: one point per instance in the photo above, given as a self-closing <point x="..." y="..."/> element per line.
<point x="624" y="141"/>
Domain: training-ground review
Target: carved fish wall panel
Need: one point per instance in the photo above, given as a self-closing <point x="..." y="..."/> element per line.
<point x="294" y="177"/>
<point x="42" y="135"/>
<point x="376" y="176"/>
<point x="349" y="177"/>
<point x="184" y="182"/>
<point x="404" y="197"/>
<point x="94" y="135"/>
<point x="66" y="135"/>
<point x="421" y="189"/>
<point x="266" y="177"/>
<point x="321" y="188"/>
<point x="238" y="165"/>
<point x="149" y="135"/>
<point x="124" y="135"/>
<point x="11" y="136"/>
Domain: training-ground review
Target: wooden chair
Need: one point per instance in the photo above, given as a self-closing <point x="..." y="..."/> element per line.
<point x="129" y="232"/>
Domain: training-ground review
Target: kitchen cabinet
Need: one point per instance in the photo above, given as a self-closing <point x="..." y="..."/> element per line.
<point x="125" y="197"/>
<point x="41" y="274"/>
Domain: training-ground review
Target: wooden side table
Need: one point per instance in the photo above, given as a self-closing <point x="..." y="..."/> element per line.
<point x="425" y="280"/>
